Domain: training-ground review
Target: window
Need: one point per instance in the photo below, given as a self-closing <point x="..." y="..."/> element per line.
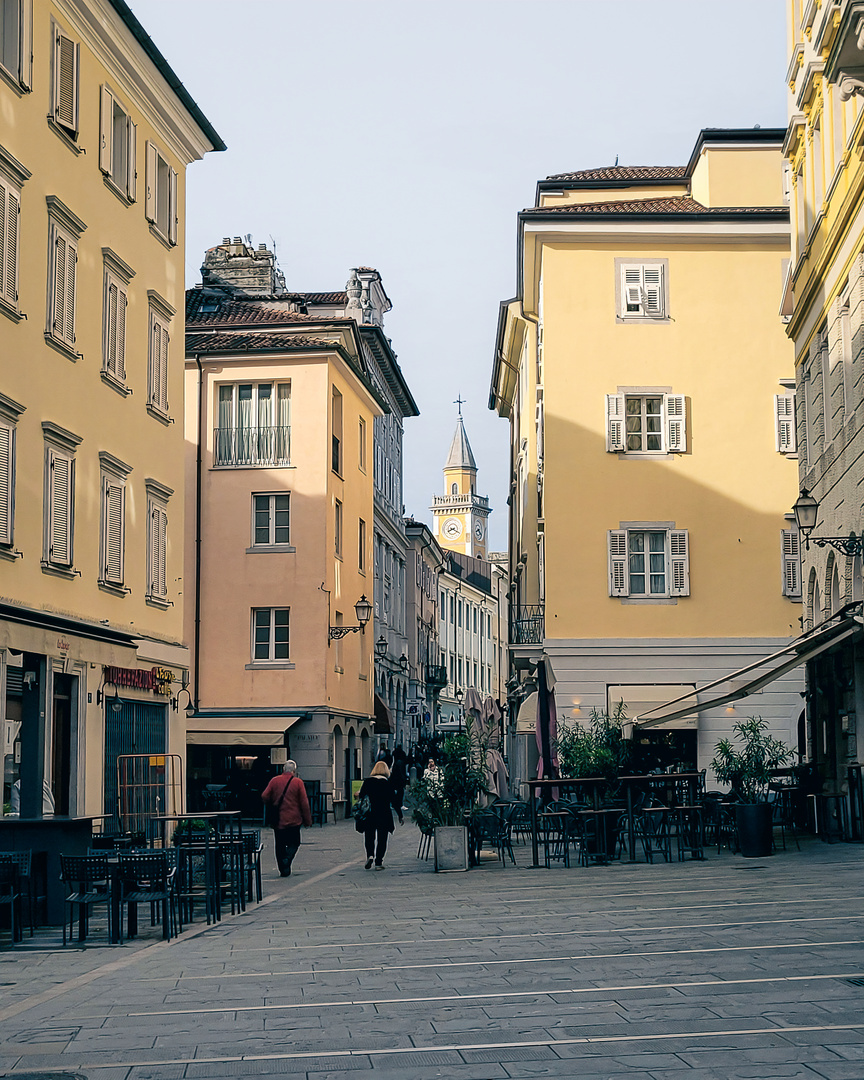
<point x="646" y="423"/>
<point x="361" y="545"/>
<point x="64" y="95"/>
<point x="642" y="290"/>
<point x="64" y="231"/>
<point x="336" y="432"/>
<point x="362" y="445"/>
<point x="117" y="144"/>
<point x="649" y="563"/>
<point x="271" y="520"/>
<point x="160" y="315"/>
<point x="270" y="634"/>
<point x="784" y="423"/>
<point x="59" y="504"/>
<point x="113" y="524"/>
<point x="157" y="542"/>
<point x="10" y="411"/>
<point x="160" y="207"/>
<point x="16" y="40"/>
<point x="117" y="276"/>
<point x="791" y="562"/>
<point x="253" y="425"/>
<point x="10" y="213"/>
<point x="338" y="532"/>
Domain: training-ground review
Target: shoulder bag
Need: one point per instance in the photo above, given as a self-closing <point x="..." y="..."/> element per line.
<point x="271" y="810"/>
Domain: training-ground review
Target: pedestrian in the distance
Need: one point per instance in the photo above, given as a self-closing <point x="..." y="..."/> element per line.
<point x="379" y="824"/>
<point x="287" y="795"/>
<point x="399" y="775"/>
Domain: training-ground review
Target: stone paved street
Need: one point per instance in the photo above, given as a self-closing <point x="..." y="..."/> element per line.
<point x="730" y="969"/>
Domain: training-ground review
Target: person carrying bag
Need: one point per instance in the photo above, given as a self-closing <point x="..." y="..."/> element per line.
<point x="287" y="808"/>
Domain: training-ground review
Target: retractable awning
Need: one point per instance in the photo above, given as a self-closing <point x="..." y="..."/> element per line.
<point x="239" y="730"/>
<point x="383" y="720"/>
<point x="798" y="652"/>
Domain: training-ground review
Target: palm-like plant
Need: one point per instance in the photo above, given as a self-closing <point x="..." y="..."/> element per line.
<point x="746" y="765"/>
<point x="447" y="795"/>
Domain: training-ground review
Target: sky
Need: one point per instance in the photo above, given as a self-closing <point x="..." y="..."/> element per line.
<point x="407" y="135"/>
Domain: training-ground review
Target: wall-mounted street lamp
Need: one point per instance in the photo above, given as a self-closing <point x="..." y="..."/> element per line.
<point x="116" y="703"/>
<point x="175" y="701"/>
<point x="806" y="513"/>
<point x="403" y="662"/>
<point x="381" y="647"/>
<point x="363" y="611"/>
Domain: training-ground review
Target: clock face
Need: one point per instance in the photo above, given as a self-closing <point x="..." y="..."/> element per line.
<point x="452" y="528"/>
<point x="478" y="530"/>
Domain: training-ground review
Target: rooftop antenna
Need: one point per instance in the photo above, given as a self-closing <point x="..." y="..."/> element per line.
<point x="616" y="159"/>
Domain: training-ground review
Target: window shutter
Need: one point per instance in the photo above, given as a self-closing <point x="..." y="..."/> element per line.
<point x="791" y="549"/>
<point x="676" y="423"/>
<point x="25" y="66"/>
<point x="10" y="254"/>
<point x="6" y="437"/>
<point x="111" y="328"/>
<point x="71" y="274"/>
<point x="106" y="130"/>
<point x="615" y="422"/>
<point x="59" y="298"/>
<point x="652" y="290"/>
<point x="163" y="371"/>
<point x="4" y="198"/>
<point x="66" y="82"/>
<point x="121" y="333"/>
<point x="680" y="563"/>
<point x="632" y="290"/>
<point x="60" y="525"/>
<point x="172" y="206"/>
<point x="618" y="562"/>
<point x="150" y="179"/>
<point x="131" y="161"/>
<point x="784" y="423"/>
<point x="158" y="547"/>
<point x="114" y="532"/>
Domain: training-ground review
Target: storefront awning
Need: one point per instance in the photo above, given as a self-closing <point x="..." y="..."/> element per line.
<point x="383" y="720"/>
<point x="798" y="652"/>
<point x="239" y="730"/>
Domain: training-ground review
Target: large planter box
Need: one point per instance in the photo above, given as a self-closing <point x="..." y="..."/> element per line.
<point x="451" y="847"/>
<point x="755" y="829"/>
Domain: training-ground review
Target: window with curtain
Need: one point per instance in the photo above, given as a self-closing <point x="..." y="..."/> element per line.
<point x="253" y="424"/>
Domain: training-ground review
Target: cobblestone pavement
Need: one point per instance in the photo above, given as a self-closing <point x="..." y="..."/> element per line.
<point x="728" y="969"/>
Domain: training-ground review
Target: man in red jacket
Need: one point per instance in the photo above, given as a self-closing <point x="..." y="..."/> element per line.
<point x="288" y="794"/>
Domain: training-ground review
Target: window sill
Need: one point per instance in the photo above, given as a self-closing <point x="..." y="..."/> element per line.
<point x="116" y="384"/>
<point x="161" y="237"/>
<point x="339" y="670"/>
<point x="9" y="553"/>
<point x="11" y="312"/>
<point x="159" y="414"/>
<point x="67" y="572"/>
<point x="159" y="601"/>
<point x="663" y="600"/>
<point x="115" y="189"/>
<point x="13" y="82"/>
<point x="269" y="665"/>
<point x="114" y="589"/>
<point x="64" y="137"/>
<point x="63" y="348"/>
<point x="361" y="676"/>
<point x="626" y="320"/>
<point x="258" y="549"/>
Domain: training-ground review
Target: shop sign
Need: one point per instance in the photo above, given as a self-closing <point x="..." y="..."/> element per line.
<point x="156" y="679"/>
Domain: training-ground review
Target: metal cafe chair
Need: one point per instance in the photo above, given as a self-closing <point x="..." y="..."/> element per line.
<point x="150" y="877"/>
<point x="252" y="848"/>
<point x="24" y="861"/>
<point x="88" y="879"/>
<point x="10" y="896"/>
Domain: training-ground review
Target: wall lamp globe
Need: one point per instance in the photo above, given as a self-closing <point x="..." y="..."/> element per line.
<point x="363" y="613"/>
<point x="381" y="647"/>
<point x="806" y="511"/>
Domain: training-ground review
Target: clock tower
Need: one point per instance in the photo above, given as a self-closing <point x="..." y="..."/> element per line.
<point x="460" y="515"/>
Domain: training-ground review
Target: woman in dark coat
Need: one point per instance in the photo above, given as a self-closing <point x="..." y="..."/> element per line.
<point x="380" y="824"/>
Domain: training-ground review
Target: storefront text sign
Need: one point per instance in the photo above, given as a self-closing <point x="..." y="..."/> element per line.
<point x="156" y="679"/>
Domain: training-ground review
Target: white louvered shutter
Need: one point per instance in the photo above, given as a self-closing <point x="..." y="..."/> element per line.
<point x="652" y="295"/>
<point x="6" y="440"/>
<point x="59" y="298"/>
<point x="114" y="498"/>
<point x="66" y="56"/>
<point x="69" y="304"/>
<point x="111" y="328"/>
<point x="163" y="370"/>
<point x="784" y="423"/>
<point x="3" y="200"/>
<point x="791" y="547"/>
<point x="158" y="549"/>
<point x="618" y="562"/>
<point x="615" y="422"/>
<point x="131" y="161"/>
<point x="106" y="130"/>
<point x="10" y="247"/>
<point x="676" y="423"/>
<point x="151" y="170"/>
<point x="121" y="334"/>
<point x="173" y="212"/>
<point x="60" y="510"/>
<point x="631" y="287"/>
<point x="679" y="558"/>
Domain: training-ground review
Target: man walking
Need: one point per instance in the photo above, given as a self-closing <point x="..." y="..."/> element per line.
<point x="287" y="795"/>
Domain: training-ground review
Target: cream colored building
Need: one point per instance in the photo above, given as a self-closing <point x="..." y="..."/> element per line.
<point x="646" y="377"/>
<point x="96" y="133"/>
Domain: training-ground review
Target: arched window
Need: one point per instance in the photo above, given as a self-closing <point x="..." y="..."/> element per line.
<point x="454" y="489"/>
<point x="836" y="596"/>
<point x="857" y="590"/>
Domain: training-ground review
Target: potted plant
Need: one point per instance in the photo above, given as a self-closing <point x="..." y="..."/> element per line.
<point x="446" y="796"/>
<point x="746" y="765"/>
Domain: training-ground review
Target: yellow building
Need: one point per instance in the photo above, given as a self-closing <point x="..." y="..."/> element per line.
<point x="280" y="410"/>
<point x="646" y="377"/>
<point x="824" y="305"/>
<point x="96" y="132"/>
<point x="460" y="516"/>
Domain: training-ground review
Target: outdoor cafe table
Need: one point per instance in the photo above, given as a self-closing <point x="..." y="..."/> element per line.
<point x="691" y="781"/>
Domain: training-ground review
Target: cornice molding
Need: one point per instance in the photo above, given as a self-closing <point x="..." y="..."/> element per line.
<point x="117" y="266"/>
<point x="157" y="489"/>
<point x="61" y="213"/>
<point x="10" y="410"/>
<point x="114" y="465"/>
<point x="60" y="438"/>
<point x="13" y="167"/>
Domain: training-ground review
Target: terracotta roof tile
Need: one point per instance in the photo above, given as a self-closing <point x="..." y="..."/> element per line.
<point x="207" y="309"/>
<point x="626" y="172"/>
<point x="682" y="204"/>
<point x="237" y="343"/>
<point x="325" y="297"/>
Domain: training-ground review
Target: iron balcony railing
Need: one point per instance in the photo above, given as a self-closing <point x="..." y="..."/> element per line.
<point x="252" y="446"/>
<point x="436" y="675"/>
<point x="527" y="624"/>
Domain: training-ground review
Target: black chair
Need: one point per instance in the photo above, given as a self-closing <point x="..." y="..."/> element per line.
<point x="652" y="830"/>
<point x="24" y="862"/>
<point x="150" y="877"/>
<point x="10" y="896"/>
<point x="252" y="848"/>
<point x="88" y="879"/>
<point x="783" y="812"/>
<point x="519" y="816"/>
<point x="492" y="827"/>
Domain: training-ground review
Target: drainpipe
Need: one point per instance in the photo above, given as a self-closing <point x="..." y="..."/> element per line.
<point x="197" y="634"/>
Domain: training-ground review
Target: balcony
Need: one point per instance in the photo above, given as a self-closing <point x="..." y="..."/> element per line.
<point x="527" y="625"/>
<point x="456" y="502"/>
<point x="247" y="446"/>
<point x="436" y="676"/>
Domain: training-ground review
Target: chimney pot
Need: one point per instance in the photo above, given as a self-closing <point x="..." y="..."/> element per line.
<point x="238" y="239"/>
<point x="226" y="239"/>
